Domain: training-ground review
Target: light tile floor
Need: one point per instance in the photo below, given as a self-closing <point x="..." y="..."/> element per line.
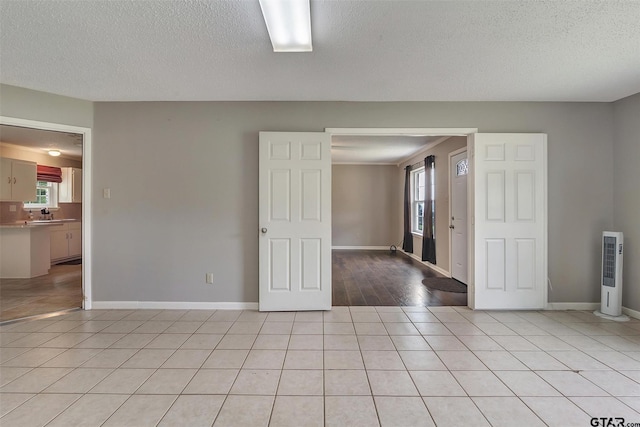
<point x="353" y="366"/>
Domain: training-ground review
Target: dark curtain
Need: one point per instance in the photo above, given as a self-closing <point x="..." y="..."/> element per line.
<point x="429" y="228"/>
<point x="407" y="242"/>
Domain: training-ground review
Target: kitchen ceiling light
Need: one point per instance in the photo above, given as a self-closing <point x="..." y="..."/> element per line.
<point x="54" y="153"/>
<point x="289" y="24"/>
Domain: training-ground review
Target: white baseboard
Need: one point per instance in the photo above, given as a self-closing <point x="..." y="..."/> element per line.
<point x="588" y="306"/>
<point x="362" y="248"/>
<point x="428" y="264"/>
<point x="173" y="305"/>
<point x="631" y="313"/>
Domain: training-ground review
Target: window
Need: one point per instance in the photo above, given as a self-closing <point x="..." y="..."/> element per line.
<point x="46" y="196"/>
<point x="420" y="195"/>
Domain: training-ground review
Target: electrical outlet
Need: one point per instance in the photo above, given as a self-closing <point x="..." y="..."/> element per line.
<point x="209" y="278"/>
<point x="12" y="208"/>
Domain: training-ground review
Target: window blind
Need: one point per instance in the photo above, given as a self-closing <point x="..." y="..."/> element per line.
<point x="49" y="173"/>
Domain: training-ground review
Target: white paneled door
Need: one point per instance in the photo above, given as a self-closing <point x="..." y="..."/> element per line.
<point x="510" y="213"/>
<point x="458" y="170"/>
<point x="295" y="221"/>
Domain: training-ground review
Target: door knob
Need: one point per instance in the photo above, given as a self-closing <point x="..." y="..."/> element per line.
<point x="451" y="226"/>
<point x="263" y="230"/>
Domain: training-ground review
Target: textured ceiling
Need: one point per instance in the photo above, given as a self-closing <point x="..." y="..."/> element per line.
<point x="378" y="149"/>
<point x="69" y="144"/>
<point x="362" y="50"/>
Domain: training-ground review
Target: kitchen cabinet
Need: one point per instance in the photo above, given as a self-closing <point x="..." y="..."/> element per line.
<point x="18" y="182"/>
<point x="66" y="242"/>
<point x="70" y="189"/>
<point x="24" y="251"/>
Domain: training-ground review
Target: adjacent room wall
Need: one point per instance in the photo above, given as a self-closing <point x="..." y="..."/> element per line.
<point x="441" y="151"/>
<point x="184" y="187"/>
<point x="626" y="191"/>
<point x="363" y="205"/>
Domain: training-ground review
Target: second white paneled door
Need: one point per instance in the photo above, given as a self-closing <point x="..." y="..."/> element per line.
<point x="295" y="221"/>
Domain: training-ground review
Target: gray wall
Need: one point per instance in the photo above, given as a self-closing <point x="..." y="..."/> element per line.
<point x="44" y="107"/>
<point x="626" y="150"/>
<point x="441" y="151"/>
<point x="364" y="200"/>
<point x="185" y="187"/>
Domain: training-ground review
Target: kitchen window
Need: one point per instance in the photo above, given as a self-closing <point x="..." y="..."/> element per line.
<point x="46" y="196"/>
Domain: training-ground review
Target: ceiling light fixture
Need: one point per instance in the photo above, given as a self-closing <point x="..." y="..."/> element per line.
<point x="289" y="24"/>
<point x="54" y="153"/>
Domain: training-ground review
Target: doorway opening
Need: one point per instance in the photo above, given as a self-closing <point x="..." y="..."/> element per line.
<point x="368" y="172"/>
<point x="51" y="271"/>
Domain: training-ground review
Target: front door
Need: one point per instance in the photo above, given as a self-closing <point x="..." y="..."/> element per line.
<point x="509" y="172"/>
<point x="458" y="170"/>
<point x="295" y="221"/>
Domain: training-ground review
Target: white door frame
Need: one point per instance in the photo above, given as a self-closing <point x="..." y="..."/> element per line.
<point x="451" y="154"/>
<point x="86" y="191"/>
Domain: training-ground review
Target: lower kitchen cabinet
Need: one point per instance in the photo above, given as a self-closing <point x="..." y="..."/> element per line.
<point x="66" y="242"/>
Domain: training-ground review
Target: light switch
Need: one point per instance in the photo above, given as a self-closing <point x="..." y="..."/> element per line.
<point x="106" y="193"/>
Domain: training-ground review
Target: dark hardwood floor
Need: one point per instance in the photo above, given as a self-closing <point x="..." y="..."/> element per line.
<point x="379" y="278"/>
<point x="61" y="289"/>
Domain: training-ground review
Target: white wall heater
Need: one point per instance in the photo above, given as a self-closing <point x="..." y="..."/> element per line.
<point x="611" y="276"/>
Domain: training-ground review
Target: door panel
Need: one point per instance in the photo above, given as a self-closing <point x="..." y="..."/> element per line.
<point x="510" y="235"/>
<point x="295" y="221"/>
<point x="458" y="179"/>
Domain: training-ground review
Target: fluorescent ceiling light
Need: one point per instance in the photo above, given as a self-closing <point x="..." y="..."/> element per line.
<point x="289" y="24"/>
<point x="54" y="153"/>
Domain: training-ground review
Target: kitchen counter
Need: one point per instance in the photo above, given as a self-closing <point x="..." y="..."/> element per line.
<point x="36" y="223"/>
<point x="25" y="251"/>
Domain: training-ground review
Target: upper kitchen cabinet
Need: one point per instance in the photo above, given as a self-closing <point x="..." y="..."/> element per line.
<point x="70" y="190"/>
<point x="18" y="180"/>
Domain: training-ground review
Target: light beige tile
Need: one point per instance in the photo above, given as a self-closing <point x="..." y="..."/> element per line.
<point x="307" y="328"/>
<point x="7" y="353"/>
<point x="276" y="328"/>
<point x="481" y="383"/>
<point x="264" y="359"/>
<point x="526" y="383"/>
<point x="153" y="327"/>
<point x="193" y="411"/>
<point x="183" y="327"/>
<point x="296" y="411"/>
<point x="257" y="382"/>
<point x="62" y="326"/>
<point x="401" y="329"/>
<point x="141" y="411"/>
<point x="309" y="316"/>
<point x="11" y="401"/>
<point x="187" y="359"/>
<point x="100" y="341"/>
<point x="341" y="342"/>
<point x="503" y="411"/>
<point x="570" y="383"/>
<point x="461" y="361"/>
<point x="170" y="341"/>
<point x="301" y="382"/>
<point x="214" y="328"/>
<point x="236" y="342"/>
<point x="557" y="411"/>
<point x="386" y="360"/>
<point x="226" y="359"/>
<point x="35" y="380"/>
<point x="71" y="358"/>
<point x="365" y="317"/>
<point x="306" y="342"/>
<point x="613" y="382"/>
<point x="271" y="342"/>
<point x="350" y="411"/>
<point x="549" y="343"/>
<point x="148" y="358"/>
<point x="304" y="359"/>
<point x="370" y="329"/>
<point x="245" y="411"/>
<point x="211" y="381"/>
<point x="394" y="317"/>
<point x="372" y="342"/>
<point x="34" y="357"/>
<point x="343" y="359"/>
<point x="167" y="381"/>
<point x="202" y="342"/>
<point x="140" y="315"/>
<point x="421" y="316"/>
<point x="422" y="361"/>
<point x="225" y="316"/>
<point x="197" y="315"/>
<point x="339" y="329"/>
<point x="335" y="316"/>
<point x="578" y="361"/>
<point x="433" y="329"/>
<point x="123" y="326"/>
<point x="597" y="406"/>
<point x="123" y="381"/>
<point x="617" y="360"/>
<point x="252" y="316"/>
<point x="39" y="410"/>
<point x="455" y="411"/>
<point x="346" y="382"/>
<point x="445" y="343"/>
<point x="134" y="341"/>
<point x="436" y="383"/>
<point x="80" y="380"/>
<point x="172" y="315"/>
<point x="249" y="328"/>
<point x="402" y="411"/>
<point x="281" y="316"/>
<point x="539" y="361"/>
<point x="34" y="340"/>
<point x="391" y="383"/>
<point x="89" y="410"/>
<point x="8" y="374"/>
<point x="514" y="343"/>
<point x="502" y="360"/>
<point x="410" y="343"/>
<point x="110" y="358"/>
<point x="479" y="342"/>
